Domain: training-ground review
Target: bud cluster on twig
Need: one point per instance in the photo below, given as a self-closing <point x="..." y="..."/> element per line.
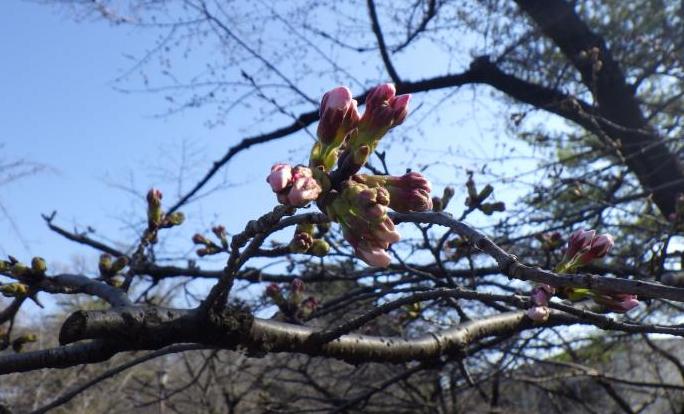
<point x="358" y="202"/>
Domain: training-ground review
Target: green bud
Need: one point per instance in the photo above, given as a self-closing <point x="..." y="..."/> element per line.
<point x="490" y="208"/>
<point x="319" y="248"/>
<point x="19" y="343"/>
<point x="38" y="266"/>
<point x="14" y="290"/>
<point x="301" y="243"/>
<point x="486" y="192"/>
<point x="19" y="270"/>
<point x="105" y="265"/>
<point x="175" y="219"/>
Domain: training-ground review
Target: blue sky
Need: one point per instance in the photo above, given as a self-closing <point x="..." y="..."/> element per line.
<point x="59" y="108"/>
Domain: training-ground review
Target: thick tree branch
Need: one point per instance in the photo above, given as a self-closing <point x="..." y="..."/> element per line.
<point x="647" y="156"/>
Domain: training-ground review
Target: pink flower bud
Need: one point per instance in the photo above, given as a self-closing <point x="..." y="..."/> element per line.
<point x="411" y="192"/>
<point x="400" y="107"/>
<point x="297" y="285"/>
<point x="384" y="110"/>
<point x="620" y="302"/>
<point x="579" y="240"/>
<point x="154" y="197"/>
<point x="541" y="294"/>
<point x="538" y="313"/>
<point x="374" y="256"/>
<point x="273" y="290"/>
<point x="304" y="190"/>
<point x="599" y="247"/>
<point x="280" y="177"/>
<point x="199" y="239"/>
<point x="338" y="115"/>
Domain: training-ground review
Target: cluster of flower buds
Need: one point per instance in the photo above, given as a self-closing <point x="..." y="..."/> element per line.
<point x="476" y="199"/>
<point x="295" y="307"/>
<point x="14" y="290"/>
<point x="110" y="268"/>
<point x="208" y="246"/>
<point x="338" y="117"/>
<point x="550" y="241"/>
<point x="358" y="202"/>
<point x="384" y="110"/>
<point x="156" y="218"/>
<point x="294" y="186"/>
<point x="410" y="192"/>
<point x="584" y="246"/>
<point x="19" y="270"/>
<point x="540" y="297"/>
<point x="306" y="240"/>
<point x="362" y="212"/>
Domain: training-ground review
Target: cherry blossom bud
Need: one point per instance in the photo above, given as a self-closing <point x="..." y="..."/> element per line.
<point x="199" y="239"/>
<point x="280" y="177"/>
<point x="538" y="313"/>
<point x="304" y="191"/>
<point x="319" y="248"/>
<point x="14" y="289"/>
<point x="373" y="255"/>
<point x="599" y="247"/>
<point x="580" y="240"/>
<point x="338" y="114"/>
<point x="154" y="211"/>
<point x="541" y="294"/>
<point x="219" y="231"/>
<point x="273" y="291"/>
<point x="307" y="307"/>
<point x="400" y="107"/>
<point x="384" y="110"/>
<point x="411" y="192"/>
<point x="297" y="285"/>
<point x="105" y="264"/>
<point x="154" y="197"/>
<point x="296" y="293"/>
<point x="38" y="266"/>
<point x="620" y="302"/>
<point x="175" y="219"/>
<point x="301" y="243"/>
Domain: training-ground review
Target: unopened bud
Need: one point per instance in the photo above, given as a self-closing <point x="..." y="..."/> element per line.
<point x="490" y="208"/>
<point x="20" y="270"/>
<point x="38" y="266"/>
<point x="15" y="289"/>
<point x="105" y="264"/>
<point x="319" y="248"/>
<point x="154" y="211"/>
<point x="18" y="344"/>
<point x="301" y="243"/>
<point x="175" y="219"/>
<point x="538" y="313"/>
<point x="200" y="239"/>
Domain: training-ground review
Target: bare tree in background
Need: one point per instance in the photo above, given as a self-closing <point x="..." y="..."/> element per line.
<point x="451" y="324"/>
